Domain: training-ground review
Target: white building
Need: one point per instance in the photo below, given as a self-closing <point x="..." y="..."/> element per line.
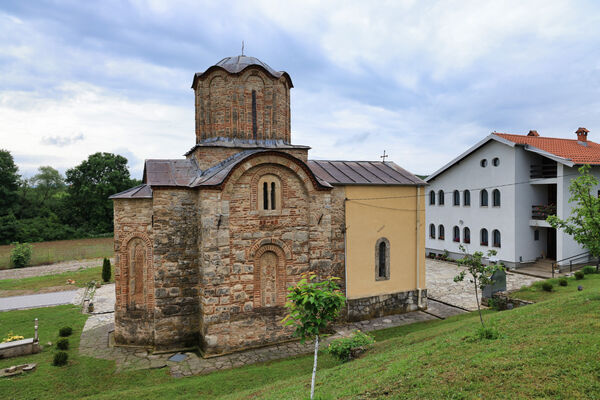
<point x="497" y="195"/>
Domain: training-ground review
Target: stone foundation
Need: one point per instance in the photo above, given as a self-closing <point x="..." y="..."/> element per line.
<point x="387" y="304"/>
<point x="134" y="328"/>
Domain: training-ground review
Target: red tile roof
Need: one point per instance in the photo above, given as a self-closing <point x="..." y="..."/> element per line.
<point x="565" y="148"/>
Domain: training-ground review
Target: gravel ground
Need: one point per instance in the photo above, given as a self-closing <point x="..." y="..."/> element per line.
<point x="50" y="269"/>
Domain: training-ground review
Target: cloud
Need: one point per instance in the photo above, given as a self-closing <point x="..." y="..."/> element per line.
<point x="61" y="141"/>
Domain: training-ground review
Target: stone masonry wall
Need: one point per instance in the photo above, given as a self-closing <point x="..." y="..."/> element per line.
<point x="224" y="106"/>
<point x="176" y="256"/>
<point x="379" y="306"/>
<point x="133" y="221"/>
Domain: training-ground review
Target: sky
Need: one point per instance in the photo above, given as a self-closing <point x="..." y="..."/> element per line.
<point x="422" y="80"/>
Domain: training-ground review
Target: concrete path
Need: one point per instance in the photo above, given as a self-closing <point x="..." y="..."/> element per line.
<point x="37" y="300"/>
<point x="50" y="269"/>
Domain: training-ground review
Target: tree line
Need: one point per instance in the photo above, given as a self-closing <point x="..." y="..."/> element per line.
<point x="49" y="206"/>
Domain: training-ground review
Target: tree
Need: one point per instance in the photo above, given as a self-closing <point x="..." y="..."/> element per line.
<point x="584" y="222"/>
<point x="89" y="186"/>
<point x="481" y="275"/>
<point x="312" y="305"/>
<point x="106" y="270"/>
<point x="9" y="183"/>
<point x="47" y="183"/>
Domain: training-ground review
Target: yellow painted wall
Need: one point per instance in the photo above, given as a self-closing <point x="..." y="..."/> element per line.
<point x="368" y="218"/>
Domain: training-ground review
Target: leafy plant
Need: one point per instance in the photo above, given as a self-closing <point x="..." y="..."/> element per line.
<point x="563" y="281"/>
<point x="348" y="348"/>
<point x="65" y="331"/>
<point x="20" y="255"/>
<point x="106" y="270"/>
<point x="489" y="333"/>
<point x="312" y="304"/>
<point x="547" y="286"/>
<point x="60" y="358"/>
<point x="481" y="275"/>
<point x="589" y="269"/>
<point x="62" y="344"/>
<point x="11" y="337"/>
<point x="579" y="275"/>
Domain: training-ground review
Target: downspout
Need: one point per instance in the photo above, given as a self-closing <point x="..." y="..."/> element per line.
<point x="345" y="229"/>
<point x="418" y="281"/>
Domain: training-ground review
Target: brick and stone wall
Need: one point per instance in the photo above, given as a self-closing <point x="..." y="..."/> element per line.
<point x="387" y="304"/>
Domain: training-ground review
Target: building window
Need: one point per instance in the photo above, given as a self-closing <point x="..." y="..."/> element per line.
<point x="432" y="231"/>
<point x="456" y="197"/>
<point x="441" y="232"/>
<point x="536" y="234"/>
<point x="496" y="238"/>
<point x="441" y="197"/>
<point x="466" y="198"/>
<point x="269" y="193"/>
<point x="432" y="198"/>
<point x="483" y="198"/>
<point x="382" y="259"/>
<point x="496" y="198"/>
<point x="456" y="234"/>
<point x="483" y="163"/>
<point x="466" y="235"/>
<point x="484" y="237"/>
<point x="496" y="162"/>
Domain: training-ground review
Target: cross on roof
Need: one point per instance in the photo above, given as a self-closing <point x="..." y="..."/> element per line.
<point x="384" y="156"/>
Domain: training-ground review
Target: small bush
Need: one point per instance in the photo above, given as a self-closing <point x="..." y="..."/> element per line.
<point x="346" y="349"/>
<point x="20" y="255"/>
<point x="60" y="358"/>
<point x="63" y="344"/>
<point x="589" y="269"/>
<point x="106" y="270"/>
<point x="579" y="275"/>
<point x="547" y="286"/>
<point x="65" y="331"/>
<point x="489" y="333"/>
<point x="563" y="282"/>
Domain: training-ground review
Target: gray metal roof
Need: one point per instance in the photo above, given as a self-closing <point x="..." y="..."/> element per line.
<point x="139" y="192"/>
<point x="245" y="144"/>
<point x="235" y="65"/>
<point x="363" y="173"/>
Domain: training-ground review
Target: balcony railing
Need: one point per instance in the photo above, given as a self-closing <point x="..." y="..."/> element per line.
<point x="542" y="171"/>
<point x="543" y="212"/>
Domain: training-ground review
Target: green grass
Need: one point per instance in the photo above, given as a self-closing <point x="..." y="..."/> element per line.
<point x="62" y="250"/>
<point x="546" y="350"/>
<point x="81" y="277"/>
<point x="537" y="294"/>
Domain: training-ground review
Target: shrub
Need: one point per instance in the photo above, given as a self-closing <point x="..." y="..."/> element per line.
<point x="547" y="286"/>
<point x="62" y="344"/>
<point x="348" y="348"/>
<point x="489" y="333"/>
<point x="589" y="269"/>
<point x="60" y="358"/>
<point x="20" y="255"/>
<point x="563" y="282"/>
<point x="106" y="270"/>
<point x="579" y="275"/>
<point x="65" y="331"/>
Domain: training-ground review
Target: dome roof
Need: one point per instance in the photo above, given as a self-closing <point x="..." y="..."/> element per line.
<point x="237" y="64"/>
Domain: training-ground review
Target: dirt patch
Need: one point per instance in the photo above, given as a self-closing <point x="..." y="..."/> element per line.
<point x="24" y="292"/>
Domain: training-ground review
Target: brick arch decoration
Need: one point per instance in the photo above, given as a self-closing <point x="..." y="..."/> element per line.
<point x="280" y="274"/>
<point x="122" y="280"/>
<point x="281" y="159"/>
<point x="268" y="170"/>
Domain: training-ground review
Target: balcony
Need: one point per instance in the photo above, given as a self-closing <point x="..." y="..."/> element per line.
<point x="543" y="212"/>
<point x="542" y="171"/>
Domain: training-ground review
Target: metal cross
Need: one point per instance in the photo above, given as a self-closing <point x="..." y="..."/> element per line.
<point x="242" y="47"/>
<point x="384" y="156"/>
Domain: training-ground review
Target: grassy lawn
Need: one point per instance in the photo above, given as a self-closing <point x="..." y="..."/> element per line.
<point x="546" y="350"/>
<point x="57" y="281"/>
<point x="62" y="250"/>
<point x="537" y="294"/>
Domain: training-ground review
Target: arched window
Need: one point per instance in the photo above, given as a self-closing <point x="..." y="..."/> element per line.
<point x="456" y="197"/>
<point x="496" y="162"/>
<point x="382" y="259"/>
<point x="483" y="198"/>
<point x="484" y="237"/>
<point x="432" y="231"/>
<point x="441" y="232"/>
<point x="456" y="234"/>
<point x="269" y="194"/>
<point x="496" y="198"/>
<point x="483" y="163"/>
<point x="466" y="198"/>
<point x="441" y="197"/>
<point x="496" y="240"/>
<point x="466" y="235"/>
<point x="432" y="198"/>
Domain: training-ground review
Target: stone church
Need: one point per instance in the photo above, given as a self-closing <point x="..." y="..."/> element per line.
<point x="207" y="246"/>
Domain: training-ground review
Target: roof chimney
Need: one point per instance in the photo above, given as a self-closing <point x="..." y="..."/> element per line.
<point x="582" y="135"/>
<point x="533" y="133"/>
